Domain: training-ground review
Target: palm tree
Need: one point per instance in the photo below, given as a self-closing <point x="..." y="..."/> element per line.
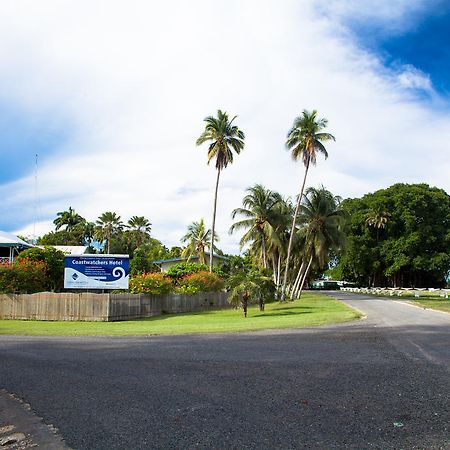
<point x="259" y="212"/>
<point x="198" y="239"/>
<point x="322" y="221"/>
<point x="378" y="219"/>
<point x="224" y="137"/>
<point x="139" y="228"/>
<point x="277" y="247"/>
<point x="69" y="218"/>
<point x="86" y="231"/>
<point x="305" y="140"/>
<point x="108" y="224"/>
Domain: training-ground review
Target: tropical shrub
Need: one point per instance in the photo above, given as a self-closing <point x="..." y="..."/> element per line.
<point x="182" y="269"/>
<point x="200" y="282"/>
<point x="23" y="276"/>
<point x="254" y="286"/>
<point x="54" y="261"/>
<point x="151" y="283"/>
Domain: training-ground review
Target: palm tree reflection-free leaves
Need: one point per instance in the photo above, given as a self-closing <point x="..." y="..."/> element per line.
<point x="108" y="224"/>
<point x="305" y="140"/>
<point x="224" y="137"/>
<point x="197" y="240"/>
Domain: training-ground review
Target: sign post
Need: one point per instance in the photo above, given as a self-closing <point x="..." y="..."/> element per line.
<point x="96" y="271"/>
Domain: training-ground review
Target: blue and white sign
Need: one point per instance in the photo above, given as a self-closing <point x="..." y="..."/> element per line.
<point x="96" y="271"/>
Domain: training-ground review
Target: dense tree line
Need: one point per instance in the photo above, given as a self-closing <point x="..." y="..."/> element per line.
<point x="395" y="237"/>
<point x="398" y="237"/>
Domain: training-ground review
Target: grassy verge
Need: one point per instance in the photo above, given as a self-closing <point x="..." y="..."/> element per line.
<point x="439" y="304"/>
<point x="311" y="310"/>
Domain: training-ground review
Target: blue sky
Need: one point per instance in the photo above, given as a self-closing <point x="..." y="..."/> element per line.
<point x="422" y="41"/>
<point x="22" y="136"/>
<point x="112" y="95"/>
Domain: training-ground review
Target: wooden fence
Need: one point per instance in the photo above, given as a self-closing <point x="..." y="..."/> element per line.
<point x="104" y="307"/>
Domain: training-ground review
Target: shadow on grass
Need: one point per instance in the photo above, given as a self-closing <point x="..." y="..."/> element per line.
<point x="284" y="313"/>
<point x="165" y="315"/>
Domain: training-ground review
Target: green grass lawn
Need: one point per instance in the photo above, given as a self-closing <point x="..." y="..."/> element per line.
<point x="312" y="310"/>
<point x="439" y="304"/>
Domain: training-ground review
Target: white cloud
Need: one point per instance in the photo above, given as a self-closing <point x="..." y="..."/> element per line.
<point x="134" y="80"/>
<point x="411" y="78"/>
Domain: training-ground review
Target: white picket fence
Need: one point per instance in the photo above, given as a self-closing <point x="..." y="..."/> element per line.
<point x="400" y="292"/>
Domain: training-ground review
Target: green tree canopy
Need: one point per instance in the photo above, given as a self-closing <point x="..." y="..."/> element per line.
<point x="399" y="236"/>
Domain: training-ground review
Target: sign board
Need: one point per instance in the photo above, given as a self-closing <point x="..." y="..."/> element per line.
<point x="96" y="271"/>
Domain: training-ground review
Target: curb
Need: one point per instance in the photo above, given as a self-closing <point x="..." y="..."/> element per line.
<point x="422" y="307"/>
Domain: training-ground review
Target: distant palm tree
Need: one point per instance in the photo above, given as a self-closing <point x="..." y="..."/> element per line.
<point x="198" y="239"/>
<point x="259" y="212"/>
<point x="139" y="228"/>
<point x="87" y="231"/>
<point x="224" y="137"/>
<point x="69" y="218"/>
<point x="305" y="140"/>
<point x="108" y="224"/>
<point x="378" y="219"/>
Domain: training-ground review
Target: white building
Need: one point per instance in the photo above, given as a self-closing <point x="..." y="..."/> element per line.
<point x="10" y="246"/>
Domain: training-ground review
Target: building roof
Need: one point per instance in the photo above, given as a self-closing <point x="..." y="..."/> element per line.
<point x="161" y="261"/>
<point x="71" y="249"/>
<point x="10" y="240"/>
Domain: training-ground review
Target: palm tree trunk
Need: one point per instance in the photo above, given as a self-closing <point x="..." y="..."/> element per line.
<point x="264" y="251"/>
<point x="214" y="223"/>
<point x="279" y="270"/>
<point x="297" y="281"/>
<point x="291" y="237"/>
<point x="274" y="269"/>
<point x="304" y="276"/>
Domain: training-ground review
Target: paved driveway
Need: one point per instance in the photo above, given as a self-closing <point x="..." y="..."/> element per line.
<point x="381" y="383"/>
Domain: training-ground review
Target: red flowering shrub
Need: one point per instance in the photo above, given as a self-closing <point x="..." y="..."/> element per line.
<point x="151" y="283"/>
<point x="23" y="276"/>
<point x="200" y="282"/>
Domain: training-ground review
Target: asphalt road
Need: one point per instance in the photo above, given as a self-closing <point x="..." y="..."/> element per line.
<point x="380" y="383"/>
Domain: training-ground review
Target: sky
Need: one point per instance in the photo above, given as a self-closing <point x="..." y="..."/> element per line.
<point x="111" y="96"/>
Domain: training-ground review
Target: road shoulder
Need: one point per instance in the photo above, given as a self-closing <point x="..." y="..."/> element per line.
<point x="20" y="428"/>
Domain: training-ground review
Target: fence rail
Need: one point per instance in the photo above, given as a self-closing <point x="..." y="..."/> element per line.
<point x="104" y="307"/>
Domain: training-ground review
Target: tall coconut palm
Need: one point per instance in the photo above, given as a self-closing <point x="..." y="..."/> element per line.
<point x="224" y="138"/>
<point x="108" y="224"/>
<point x="305" y="140"/>
<point x="69" y="219"/>
<point x="139" y="228"/>
<point x="322" y="221"/>
<point x="259" y="212"/>
<point x="198" y="239"/>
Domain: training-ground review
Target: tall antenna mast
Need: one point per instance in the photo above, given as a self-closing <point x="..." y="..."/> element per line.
<point x="35" y="197"/>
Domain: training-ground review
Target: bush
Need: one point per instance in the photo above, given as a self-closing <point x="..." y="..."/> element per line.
<point x="54" y="261"/>
<point x="24" y="275"/>
<point x="200" y="282"/>
<point x="151" y="283"/>
<point x="180" y="270"/>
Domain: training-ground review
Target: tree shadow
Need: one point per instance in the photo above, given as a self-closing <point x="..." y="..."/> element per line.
<point x="285" y="313"/>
